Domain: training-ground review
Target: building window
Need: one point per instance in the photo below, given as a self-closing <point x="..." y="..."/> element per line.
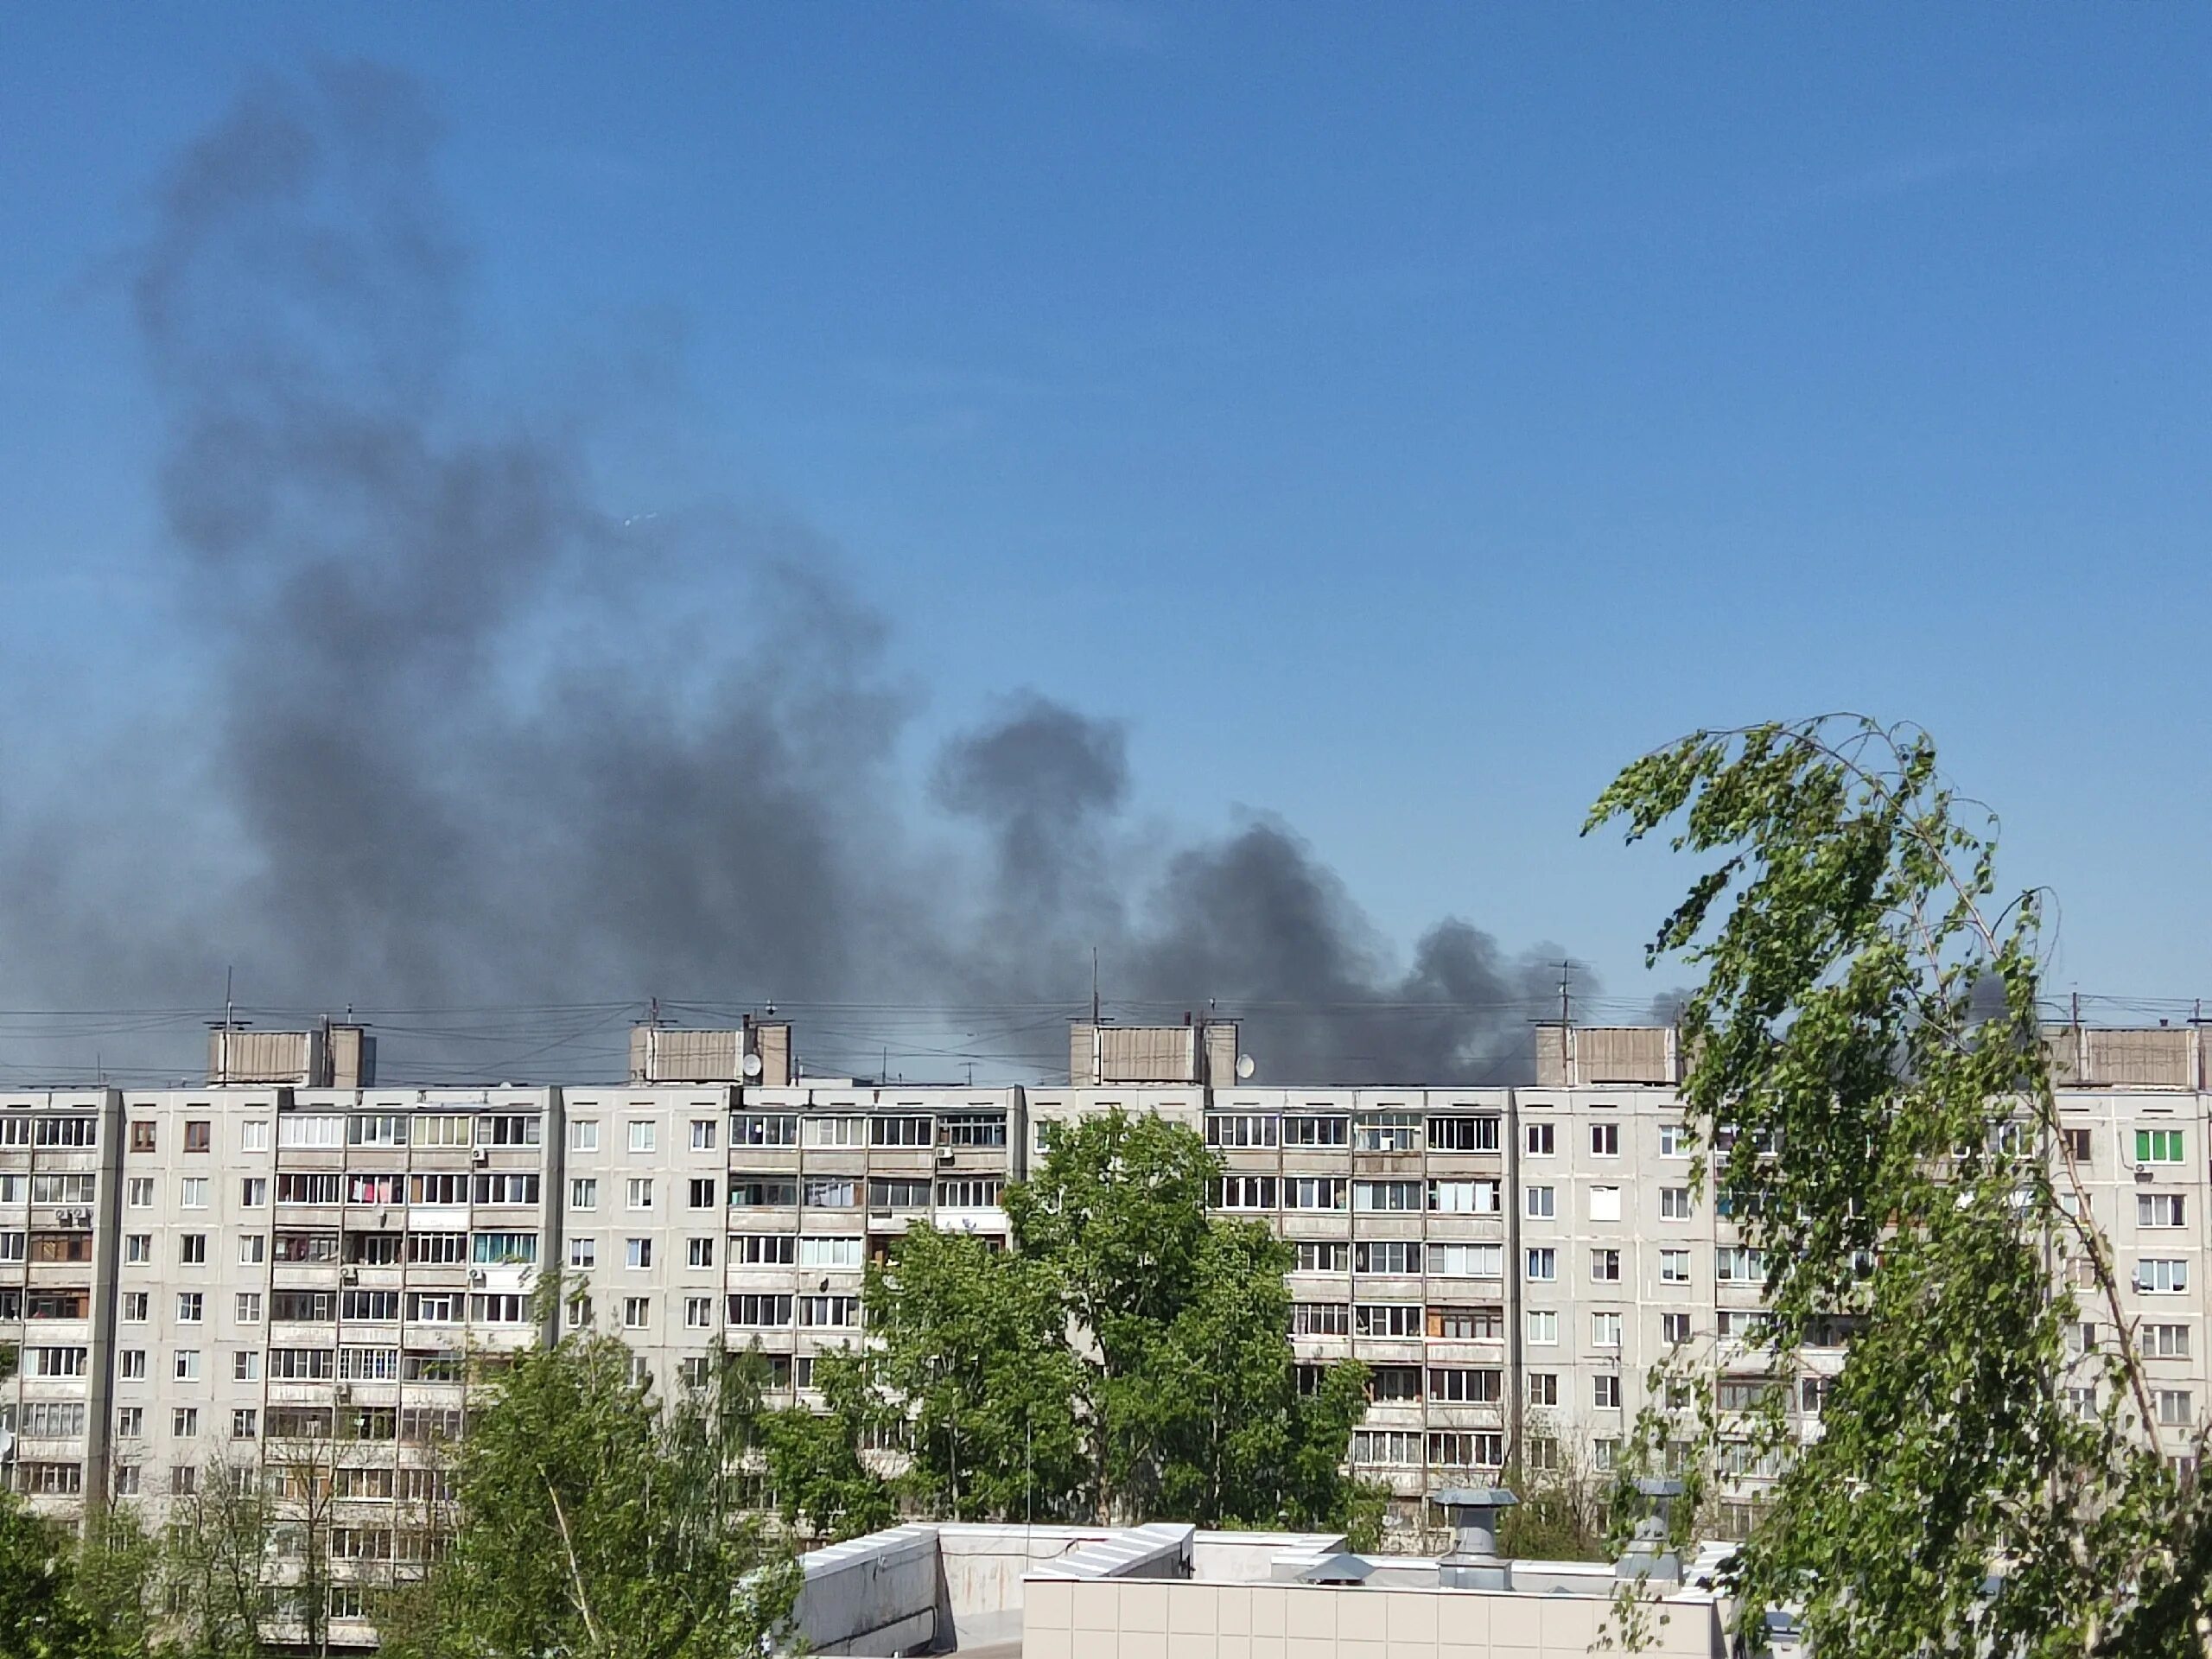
<point x="1312" y="1255"/>
<point x="191" y="1250"/>
<point x="973" y="1129"/>
<point x="1387" y="1132"/>
<point x="1604" y="1330"/>
<point x="1540" y="1202"/>
<point x="1673" y="1329"/>
<point x="253" y="1249"/>
<point x="1540" y="1140"/>
<point x="2163" y="1341"/>
<point x="759" y="1312"/>
<point x="249" y="1307"/>
<point x="130" y="1422"/>
<point x="1463" y="1133"/>
<point x="643" y="1134"/>
<point x="1673" y="1203"/>
<point x="1388" y="1197"/>
<point x="699" y="1252"/>
<point x="817" y="1252"/>
<point x="1466" y="1449"/>
<point x="834" y="1192"/>
<point x="583" y="1193"/>
<point x="1319" y="1319"/>
<point x="1245" y="1193"/>
<point x="1464" y="1197"/>
<point x="584" y="1134"/>
<point x="1239" y="1129"/>
<point x="1386" y="1447"/>
<point x="1605" y="1266"/>
<point x="1467" y="1261"/>
<point x="137" y="1248"/>
<point x="136" y="1303"/>
<point x="1465" y="1385"/>
<point x="198" y="1135"/>
<point x="2162" y="1276"/>
<point x="1314" y="1193"/>
<point x="1674" y="1141"/>
<point x="698" y="1312"/>
<point x="1543" y="1328"/>
<point x="142" y="1136"/>
<point x="583" y="1252"/>
<point x="1543" y="1388"/>
<point x="640" y="1192"/>
<point x="2173" y="1407"/>
<point x="253" y="1192"/>
<point x="970" y="1192"/>
<point x="764" y="1130"/>
<point x="138" y="1192"/>
<point x="2158" y="1146"/>
<point x="1543" y="1265"/>
<point x="703" y="1134"/>
<point x="189" y="1306"/>
<point x="186" y="1366"/>
<point x="1388" y="1319"/>
<point x="1399" y="1256"/>
<point x="1605" y="1393"/>
<point x="638" y="1253"/>
<point x="701" y="1192"/>
<point x="1674" y="1266"/>
<point x="2159" y="1210"/>
<point x="245" y="1423"/>
<point x="635" y="1311"/>
<point x="131" y="1364"/>
<point x="836" y="1313"/>
<point x="1467" y="1324"/>
<point x="1303" y="1130"/>
<point x="1738" y="1264"/>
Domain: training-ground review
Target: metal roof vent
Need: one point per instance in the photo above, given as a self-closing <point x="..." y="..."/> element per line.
<point x="1647" y="1556"/>
<point x="1474" y="1562"/>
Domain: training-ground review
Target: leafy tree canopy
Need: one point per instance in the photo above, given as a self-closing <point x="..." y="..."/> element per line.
<point x="595" y="1522"/>
<point x="1128" y="1356"/>
<point x="1868" y="1067"/>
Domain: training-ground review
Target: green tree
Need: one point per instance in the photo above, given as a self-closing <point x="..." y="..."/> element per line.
<point x="1869" y="1068"/>
<point x="42" y="1615"/>
<point x="595" y="1522"/>
<point x="220" y="1567"/>
<point x="820" y="1483"/>
<point x="1129" y="1356"/>
<point x="118" y="1575"/>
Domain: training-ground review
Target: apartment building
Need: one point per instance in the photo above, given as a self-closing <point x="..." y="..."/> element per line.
<point x="285" y="1267"/>
<point x="58" y="1247"/>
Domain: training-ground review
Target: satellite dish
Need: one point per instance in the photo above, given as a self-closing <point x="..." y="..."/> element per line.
<point x="1244" y="1067"/>
<point x="751" y="1066"/>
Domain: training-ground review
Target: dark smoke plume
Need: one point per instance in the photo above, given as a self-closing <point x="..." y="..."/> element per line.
<point x="471" y="741"/>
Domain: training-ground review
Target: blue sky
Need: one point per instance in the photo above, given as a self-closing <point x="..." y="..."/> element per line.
<point x="1402" y="415"/>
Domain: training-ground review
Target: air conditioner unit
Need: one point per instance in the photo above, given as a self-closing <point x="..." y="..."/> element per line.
<point x="349" y="1276"/>
<point x="2144" y="1173"/>
<point x="476" y="1276"/>
<point x="944" y="1155"/>
<point x="480" y="1154"/>
<point x="342" y="1394"/>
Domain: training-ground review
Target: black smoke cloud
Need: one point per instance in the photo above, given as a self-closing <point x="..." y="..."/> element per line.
<point x="469" y="741"/>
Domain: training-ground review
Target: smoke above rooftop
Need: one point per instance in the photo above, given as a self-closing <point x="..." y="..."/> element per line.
<point x="465" y="738"/>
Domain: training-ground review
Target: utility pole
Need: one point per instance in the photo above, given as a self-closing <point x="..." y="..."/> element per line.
<point x="1566" y="999"/>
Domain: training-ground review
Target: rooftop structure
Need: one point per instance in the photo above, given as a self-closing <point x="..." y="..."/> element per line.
<point x="1137" y="1592"/>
